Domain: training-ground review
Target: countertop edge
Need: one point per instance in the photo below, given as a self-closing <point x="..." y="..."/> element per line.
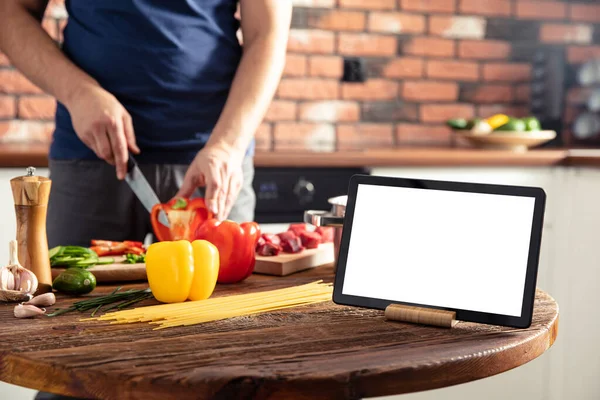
<point x="36" y="155"/>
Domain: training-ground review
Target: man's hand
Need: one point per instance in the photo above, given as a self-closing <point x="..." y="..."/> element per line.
<point x="218" y="169"/>
<point x="104" y="125"/>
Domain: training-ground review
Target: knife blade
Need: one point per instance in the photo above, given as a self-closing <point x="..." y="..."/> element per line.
<point x="142" y="189"/>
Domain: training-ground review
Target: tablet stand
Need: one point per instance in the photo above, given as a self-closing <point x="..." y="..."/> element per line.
<point x="421" y="315"/>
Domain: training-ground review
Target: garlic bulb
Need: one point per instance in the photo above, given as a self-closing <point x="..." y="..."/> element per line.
<point x="15" y="278"/>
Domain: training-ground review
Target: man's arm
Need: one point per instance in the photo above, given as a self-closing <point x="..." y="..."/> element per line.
<point x="265" y="29"/>
<point x="98" y="118"/>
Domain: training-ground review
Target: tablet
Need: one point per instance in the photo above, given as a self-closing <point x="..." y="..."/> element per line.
<point x="465" y="247"/>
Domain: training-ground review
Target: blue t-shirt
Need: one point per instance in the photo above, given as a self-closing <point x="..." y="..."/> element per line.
<point x="170" y="63"/>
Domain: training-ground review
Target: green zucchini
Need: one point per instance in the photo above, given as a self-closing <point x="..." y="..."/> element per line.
<point x="75" y="281"/>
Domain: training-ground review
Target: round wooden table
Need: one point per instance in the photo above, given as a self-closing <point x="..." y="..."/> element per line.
<point x="317" y="351"/>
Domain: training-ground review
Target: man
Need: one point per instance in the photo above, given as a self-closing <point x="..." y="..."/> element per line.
<point x="166" y="81"/>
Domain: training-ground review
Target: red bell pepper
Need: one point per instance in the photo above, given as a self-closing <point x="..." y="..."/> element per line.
<point x="236" y="244"/>
<point x="184" y="215"/>
<point x="112" y="248"/>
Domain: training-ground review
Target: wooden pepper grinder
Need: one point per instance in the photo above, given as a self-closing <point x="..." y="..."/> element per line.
<point x="31" y="195"/>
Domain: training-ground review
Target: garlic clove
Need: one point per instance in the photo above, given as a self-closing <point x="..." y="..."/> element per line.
<point x="46" y="299"/>
<point x="28" y="282"/>
<point x="7" y="279"/>
<point x="14" y="269"/>
<point x="14" y="295"/>
<point x="28" y="311"/>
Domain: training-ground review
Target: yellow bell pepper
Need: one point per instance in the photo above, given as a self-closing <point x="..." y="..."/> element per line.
<point x="179" y="270"/>
<point x="496" y="121"/>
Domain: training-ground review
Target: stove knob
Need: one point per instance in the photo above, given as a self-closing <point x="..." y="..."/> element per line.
<point x="304" y="190"/>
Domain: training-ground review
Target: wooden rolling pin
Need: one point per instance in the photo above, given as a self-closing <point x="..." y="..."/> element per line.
<point x="31" y="195"/>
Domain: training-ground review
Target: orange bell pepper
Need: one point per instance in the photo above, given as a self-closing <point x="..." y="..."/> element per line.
<point x="236" y="244"/>
<point x="184" y="215"/>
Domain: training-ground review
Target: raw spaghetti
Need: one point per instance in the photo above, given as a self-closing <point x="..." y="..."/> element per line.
<point x="214" y="309"/>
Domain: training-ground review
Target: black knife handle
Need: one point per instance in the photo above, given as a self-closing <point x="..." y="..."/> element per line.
<point x="130" y="164"/>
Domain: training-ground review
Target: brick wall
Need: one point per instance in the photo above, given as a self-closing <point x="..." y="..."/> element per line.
<point x="426" y="61"/>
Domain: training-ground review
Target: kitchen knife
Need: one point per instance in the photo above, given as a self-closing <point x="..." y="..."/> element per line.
<point x="142" y="189"/>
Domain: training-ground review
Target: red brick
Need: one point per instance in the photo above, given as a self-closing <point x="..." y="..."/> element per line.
<point x="295" y="65"/>
<point x="404" y="68"/>
<point x="304" y="136"/>
<point x="444" y="112"/>
<point x="562" y="33"/>
<point x="483" y="49"/>
<point x="487" y="94"/>
<point x="369" y="4"/>
<point x="422" y="134"/>
<point x="281" y="110"/>
<point x="372" y="89"/>
<point x="513" y="111"/>
<point x="429" y="91"/>
<point x="361" y="44"/>
<point x="429" y="46"/>
<point x="340" y="20"/>
<point x="8" y="108"/>
<point x="460" y="70"/>
<point x="310" y="89"/>
<point x="330" y="111"/>
<point x="504" y="72"/>
<point x="485" y="7"/>
<point x="326" y="66"/>
<point x="541" y="10"/>
<point x="4" y="60"/>
<point x="396" y="22"/>
<point x="12" y="81"/>
<point x="311" y="41"/>
<point x="523" y="93"/>
<point x="314" y="3"/>
<point x="37" y="107"/>
<point x="578" y="95"/>
<point x="582" y="54"/>
<point x="457" y="27"/>
<point x="50" y="26"/>
<point x="26" y="131"/>
<point x="389" y="111"/>
<point x="428" y="6"/>
<point x="585" y="12"/>
<point x="264" y="137"/>
<point x="363" y="136"/>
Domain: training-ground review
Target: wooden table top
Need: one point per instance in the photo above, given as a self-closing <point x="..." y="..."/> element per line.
<point x="317" y="351"/>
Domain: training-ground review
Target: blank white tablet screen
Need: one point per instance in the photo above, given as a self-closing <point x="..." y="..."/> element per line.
<point x="439" y="248"/>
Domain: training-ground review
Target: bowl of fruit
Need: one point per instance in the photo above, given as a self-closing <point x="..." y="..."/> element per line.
<point x="502" y="132"/>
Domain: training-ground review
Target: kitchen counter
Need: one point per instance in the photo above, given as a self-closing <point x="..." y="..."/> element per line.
<point x="23" y="155"/>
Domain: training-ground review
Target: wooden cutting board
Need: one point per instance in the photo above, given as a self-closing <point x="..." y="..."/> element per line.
<point x="285" y="264"/>
<point x="117" y="272"/>
<point x="280" y="265"/>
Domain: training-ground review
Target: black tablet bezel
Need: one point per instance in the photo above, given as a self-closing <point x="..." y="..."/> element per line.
<point x="524" y="321"/>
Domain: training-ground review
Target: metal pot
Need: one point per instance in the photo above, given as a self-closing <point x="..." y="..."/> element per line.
<point x="334" y="218"/>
